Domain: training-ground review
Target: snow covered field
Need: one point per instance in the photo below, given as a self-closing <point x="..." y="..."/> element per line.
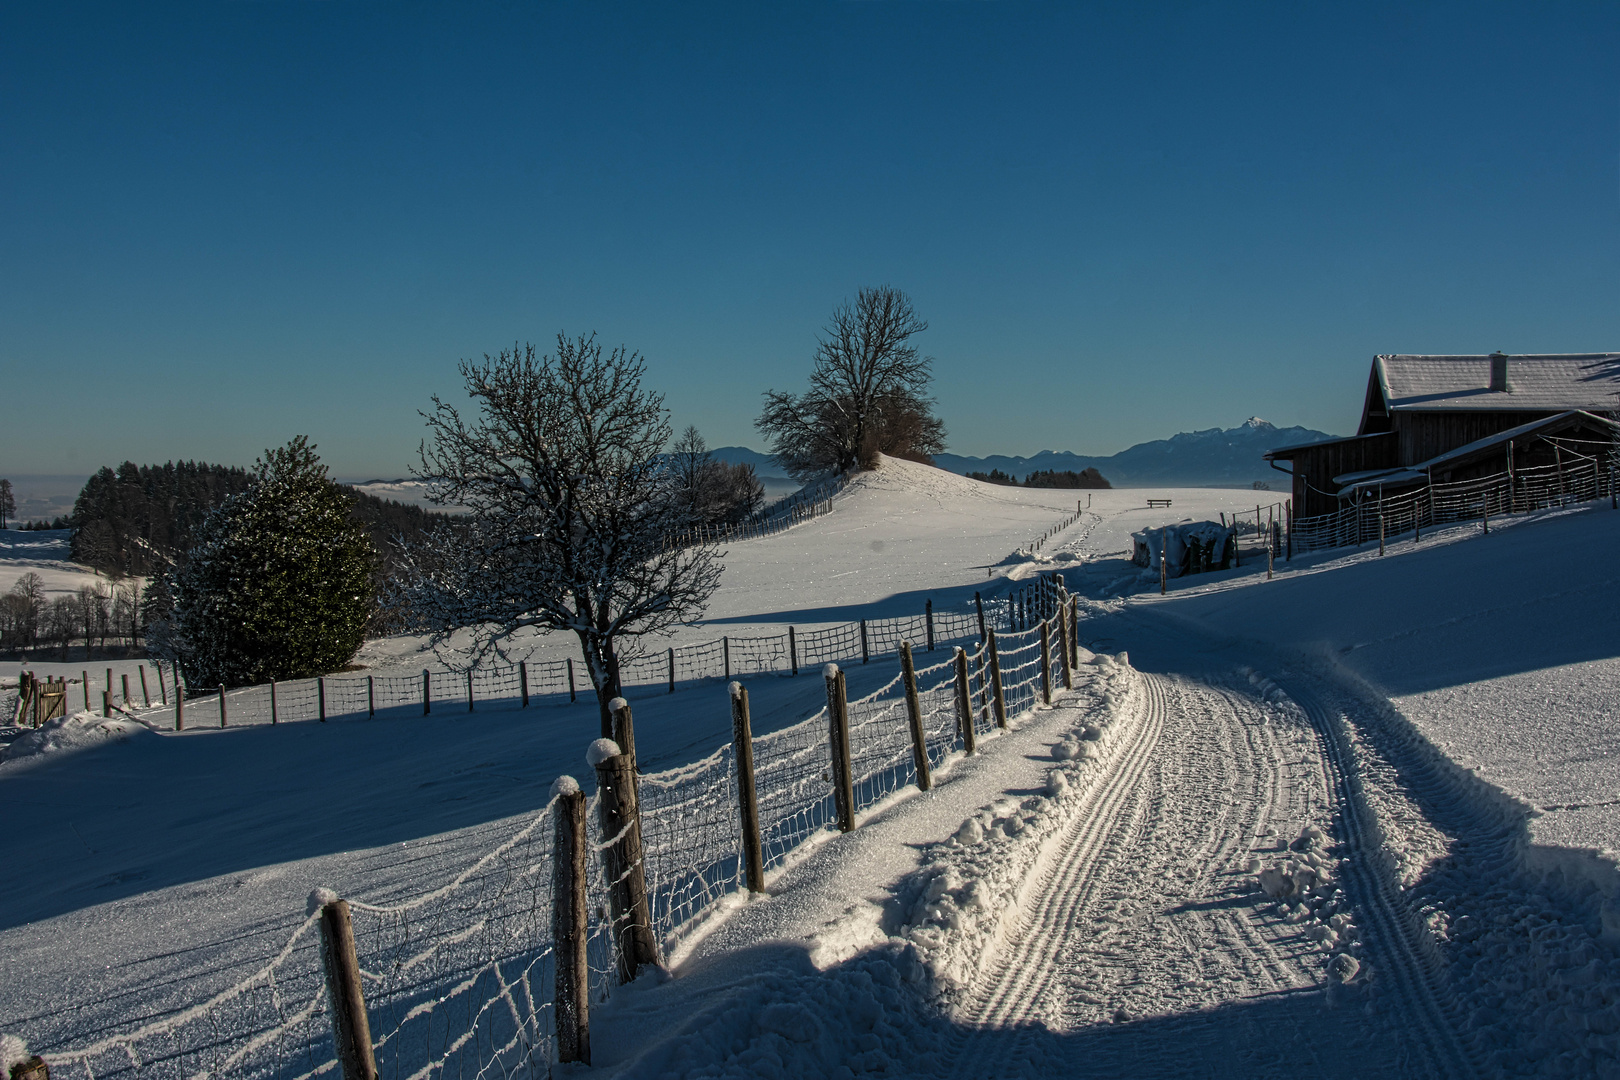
<point x="1413" y="754"/>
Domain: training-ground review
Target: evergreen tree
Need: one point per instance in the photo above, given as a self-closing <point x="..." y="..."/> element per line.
<point x="278" y="584"/>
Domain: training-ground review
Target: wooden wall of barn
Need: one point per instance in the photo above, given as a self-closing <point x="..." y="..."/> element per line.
<point x="1424" y="435"/>
<point x="1316" y="466"/>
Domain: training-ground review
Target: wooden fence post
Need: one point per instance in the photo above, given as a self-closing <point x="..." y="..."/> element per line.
<point x="272" y="701"/>
<point x="624" y="735"/>
<point x="865" y="653"/>
<point x="106" y="705"/>
<point x="221" y="706"/>
<point x="838" y="722"/>
<point x="997" y="700"/>
<point x="146" y="696"/>
<point x="1046" y="662"/>
<point x="371" y="695"/>
<point x="742" y="740"/>
<point x="919" y="737"/>
<point x="320" y="695"/>
<point x="725" y="649"/>
<point x="928" y="615"/>
<point x="427" y="692"/>
<point x="109" y="683"/>
<point x="571" y="679"/>
<point x="163" y="689"/>
<point x="1164" y="560"/>
<point x="85" y="676"/>
<point x="964" y="703"/>
<point x="351" y="1028"/>
<point x="793" y="651"/>
<point x="978" y="604"/>
<point x="124" y="677"/>
<point x="627" y="894"/>
<point x="570" y="924"/>
<point x="672" y="669"/>
<point x="523" y="682"/>
<point x="179" y="704"/>
<point x="1065" y="654"/>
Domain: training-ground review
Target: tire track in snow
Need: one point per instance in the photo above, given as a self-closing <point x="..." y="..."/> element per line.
<point x="1142" y="905"/>
<point x="1024" y="967"/>
<point x="1395" y="945"/>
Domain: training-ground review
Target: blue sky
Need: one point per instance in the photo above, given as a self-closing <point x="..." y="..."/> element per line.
<point x="228" y="224"/>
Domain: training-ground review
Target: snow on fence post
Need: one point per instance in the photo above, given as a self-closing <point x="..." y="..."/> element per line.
<point x="371" y="696"/>
<point x="569" y="924"/>
<point x="672" y="669"/>
<point x="919" y="738"/>
<point x="742" y="739"/>
<point x="793" y="652"/>
<point x="320" y="695"/>
<point x="351" y="1028"/>
<point x="998" y="701"/>
<point x="427" y="692"/>
<point x="865" y="653"/>
<point x="1046" y="662"/>
<point x="838" y="724"/>
<point x="146" y="695"/>
<point x="272" y="701"/>
<point x="222" y="706"/>
<point x="964" y="704"/>
<point x="523" y="682"/>
<point x="928" y="616"/>
<point x="725" y="650"/>
<point x="631" y="916"/>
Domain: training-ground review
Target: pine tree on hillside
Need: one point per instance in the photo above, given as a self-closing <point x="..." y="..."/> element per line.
<point x="278" y="584"/>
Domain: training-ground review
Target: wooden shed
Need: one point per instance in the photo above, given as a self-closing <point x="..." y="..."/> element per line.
<point x="1420" y="411"/>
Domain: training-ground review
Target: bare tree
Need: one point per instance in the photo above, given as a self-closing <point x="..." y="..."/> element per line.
<point x="867" y="392"/>
<point x="569" y="512"/>
<point x="8" y="502"/>
<point x="711" y="492"/>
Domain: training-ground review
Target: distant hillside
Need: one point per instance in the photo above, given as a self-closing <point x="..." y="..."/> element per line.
<point x="1213" y="458"/>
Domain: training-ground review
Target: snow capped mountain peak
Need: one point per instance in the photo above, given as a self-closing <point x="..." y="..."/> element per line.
<point x="1259" y="424"/>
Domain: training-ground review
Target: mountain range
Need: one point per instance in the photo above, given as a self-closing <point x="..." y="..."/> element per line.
<point x="1232" y="457"/>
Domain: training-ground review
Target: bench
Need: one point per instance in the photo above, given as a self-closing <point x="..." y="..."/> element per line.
<point x="1152" y="503"/>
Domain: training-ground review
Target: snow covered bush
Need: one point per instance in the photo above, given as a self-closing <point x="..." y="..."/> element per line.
<point x="278" y="584"/>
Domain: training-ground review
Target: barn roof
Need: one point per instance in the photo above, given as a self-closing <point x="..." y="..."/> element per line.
<point x="1536" y="381"/>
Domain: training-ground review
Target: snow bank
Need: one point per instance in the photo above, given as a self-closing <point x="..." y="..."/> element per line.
<point x="956" y="909"/>
<point x="80" y="731"/>
<point x="788" y="1020"/>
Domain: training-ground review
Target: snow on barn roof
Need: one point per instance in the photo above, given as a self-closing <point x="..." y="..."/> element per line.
<point x="1535" y="381"/>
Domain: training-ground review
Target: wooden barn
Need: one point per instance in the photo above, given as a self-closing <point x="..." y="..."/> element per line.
<point x="1435" y="419"/>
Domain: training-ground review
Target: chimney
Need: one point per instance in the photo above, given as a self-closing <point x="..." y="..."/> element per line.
<point x="1499" y="379"/>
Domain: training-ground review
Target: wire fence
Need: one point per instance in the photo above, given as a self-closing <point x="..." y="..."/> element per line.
<point x="1373" y="515"/>
<point x="458" y="981"/>
<point x="780" y="516"/>
<point x="510" y="686"/>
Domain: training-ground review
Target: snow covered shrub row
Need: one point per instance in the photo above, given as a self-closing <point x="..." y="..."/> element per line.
<point x="955" y="910"/>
